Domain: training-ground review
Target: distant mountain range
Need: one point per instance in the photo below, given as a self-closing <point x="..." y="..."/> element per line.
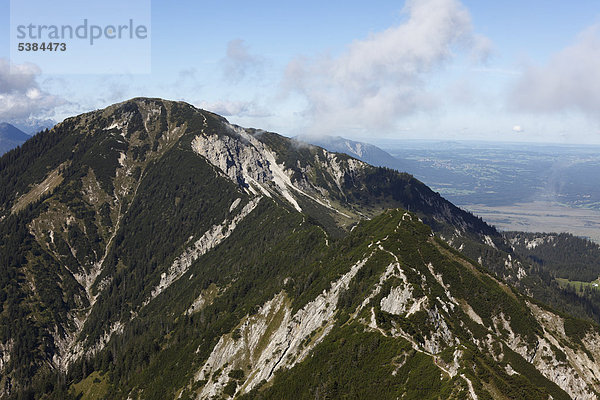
<point x="33" y="126"/>
<point x="11" y="137"/>
<point x="153" y="250"/>
<point x="366" y="152"/>
<point x="11" y="132"/>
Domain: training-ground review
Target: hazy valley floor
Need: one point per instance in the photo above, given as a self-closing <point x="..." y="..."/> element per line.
<point x="541" y="217"/>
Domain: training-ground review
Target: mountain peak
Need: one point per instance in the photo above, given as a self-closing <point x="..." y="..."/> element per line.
<point x="11" y="137"/>
<point x="11" y="132"/>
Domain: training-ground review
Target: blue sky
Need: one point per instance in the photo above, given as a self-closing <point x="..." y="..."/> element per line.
<point x="429" y="69"/>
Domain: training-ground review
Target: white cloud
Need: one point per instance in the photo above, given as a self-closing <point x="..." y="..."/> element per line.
<point x="235" y="108"/>
<point x="518" y="129"/>
<point x="239" y="62"/>
<point x="570" y="81"/>
<point x="21" y="98"/>
<point x="17" y="78"/>
<point x="384" y="77"/>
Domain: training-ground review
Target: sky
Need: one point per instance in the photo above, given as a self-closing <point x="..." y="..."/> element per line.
<point x="519" y="71"/>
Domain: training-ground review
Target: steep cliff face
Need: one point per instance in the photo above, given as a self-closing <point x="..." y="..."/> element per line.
<point x="153" y="250"/>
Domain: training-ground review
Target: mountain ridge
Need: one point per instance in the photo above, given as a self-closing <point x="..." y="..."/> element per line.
<point x="144" y="243"/>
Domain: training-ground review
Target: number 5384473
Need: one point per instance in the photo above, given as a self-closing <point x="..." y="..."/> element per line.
<point x="50" y="46"/>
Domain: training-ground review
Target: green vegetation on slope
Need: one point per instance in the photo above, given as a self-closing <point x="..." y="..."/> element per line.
<point x="564" y="255"/>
